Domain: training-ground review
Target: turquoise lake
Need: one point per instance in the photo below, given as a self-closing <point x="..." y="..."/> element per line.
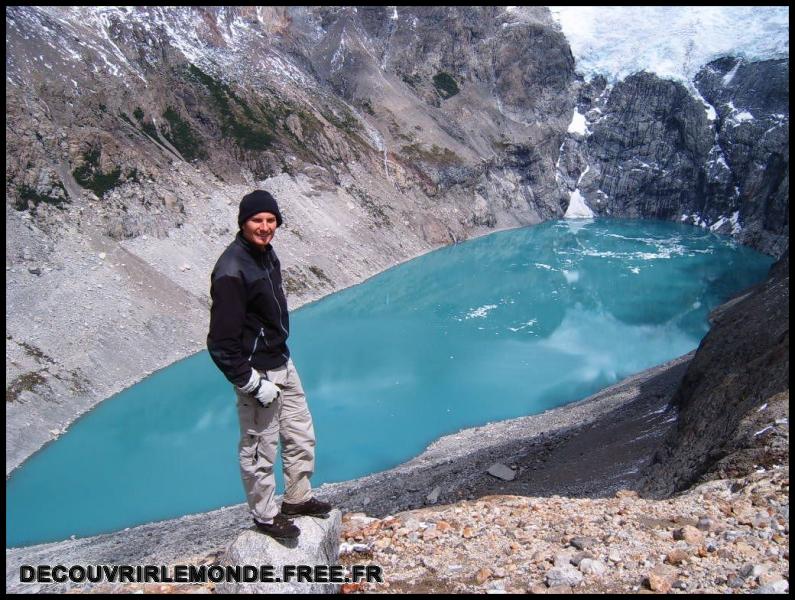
<point x="502" y="326"/>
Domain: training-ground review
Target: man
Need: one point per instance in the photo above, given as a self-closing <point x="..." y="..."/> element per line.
<point x="249" y="325"/>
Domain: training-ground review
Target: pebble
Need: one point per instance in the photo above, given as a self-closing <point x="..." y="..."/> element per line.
<point x="661" y="578"/>
<point x="592" y="567"/>
<point x="689" y="534"/>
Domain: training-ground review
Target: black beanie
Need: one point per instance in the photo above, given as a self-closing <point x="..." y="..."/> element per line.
<point x="256" y="202"/>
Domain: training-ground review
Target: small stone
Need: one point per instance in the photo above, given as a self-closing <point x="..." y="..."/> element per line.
<point x="751" y="570"/>
<point x="778" y="587"/>
<point x="443" y="527"/>
<point x="766" y="578"/>
<point x="102" y="255"/>
<point x="433" y="497"/>
<point x="412" y="524"/>
<point x="563" y="576"/>
<point x="705" y="524"/>
<point x="592" y="567"/>
<point x="582" y="543"/>
<point x="689" y="534"/>
<point x="661" y="578"/>
<point x="430" y="534"/>
<point x="379" y="544"/>
<point x="562" y="560"/>
<point x="676" y="557"/>
<point x="482" y="576"/>
<point x="735" y="582"/>
<point x="679" y="584"/>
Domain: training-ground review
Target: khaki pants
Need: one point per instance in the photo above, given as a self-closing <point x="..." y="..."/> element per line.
<point x="286" y="419"/>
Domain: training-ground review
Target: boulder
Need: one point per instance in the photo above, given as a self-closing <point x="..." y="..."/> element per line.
<point x="318" y="544"/>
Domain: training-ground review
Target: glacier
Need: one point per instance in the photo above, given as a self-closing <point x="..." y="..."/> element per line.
<point x="616" y="41"/>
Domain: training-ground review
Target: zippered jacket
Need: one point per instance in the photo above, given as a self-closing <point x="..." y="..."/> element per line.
<point x="249" y="324"/>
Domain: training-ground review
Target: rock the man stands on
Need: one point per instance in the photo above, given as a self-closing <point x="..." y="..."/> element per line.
<point x="249" y="326"/>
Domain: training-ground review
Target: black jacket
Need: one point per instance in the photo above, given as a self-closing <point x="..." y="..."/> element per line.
<point x="249" y="324"/>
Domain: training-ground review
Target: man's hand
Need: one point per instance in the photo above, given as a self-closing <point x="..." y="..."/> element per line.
<point x="267" y="392"/>
<point x="264" y="390"/>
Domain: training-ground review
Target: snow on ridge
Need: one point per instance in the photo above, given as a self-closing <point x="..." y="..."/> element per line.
<point x="616" y="41"/>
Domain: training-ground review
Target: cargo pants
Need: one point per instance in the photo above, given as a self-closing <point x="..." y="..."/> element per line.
<point x="288" y="420"/>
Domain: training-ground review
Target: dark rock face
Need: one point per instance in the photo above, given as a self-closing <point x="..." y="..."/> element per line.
<point x="752" y="103"/>
<point x="651" y="143"/>
<point x="733" y="400"/>
<point x="655" y="151"/>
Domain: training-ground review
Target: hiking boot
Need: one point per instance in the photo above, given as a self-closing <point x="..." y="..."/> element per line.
<point x="280" y="528"/>
<point x="311" y="508"/>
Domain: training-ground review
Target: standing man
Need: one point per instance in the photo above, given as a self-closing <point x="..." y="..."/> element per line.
<point x="249" y="326"/>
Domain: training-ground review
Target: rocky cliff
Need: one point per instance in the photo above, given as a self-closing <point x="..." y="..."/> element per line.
<point x="733" y="402"/>
<point x="384" y="132"/>
<point x="715" y="155"/>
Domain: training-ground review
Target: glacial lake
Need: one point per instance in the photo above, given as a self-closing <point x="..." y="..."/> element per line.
<point x="506" y="325"/>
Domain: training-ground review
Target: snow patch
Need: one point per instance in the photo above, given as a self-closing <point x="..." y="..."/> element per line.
<point x="578" y="124"/>
<point x="577" y="208"/>
<point x="743" y="116"/>
<point x="584" y="173"/>
<point x="727" y="79"/>
<point x="735" y="221"/>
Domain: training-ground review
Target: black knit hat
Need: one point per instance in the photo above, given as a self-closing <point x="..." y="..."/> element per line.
<point x="256" y="202"/>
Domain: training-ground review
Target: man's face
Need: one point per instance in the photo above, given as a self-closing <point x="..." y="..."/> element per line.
<point x="259" y="229"/>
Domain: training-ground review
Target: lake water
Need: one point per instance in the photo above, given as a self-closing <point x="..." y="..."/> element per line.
<point x="506" y="325"/>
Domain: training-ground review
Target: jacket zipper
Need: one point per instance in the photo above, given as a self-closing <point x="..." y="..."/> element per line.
<point x="261" y="333"/>
<point x="278" y="306"/>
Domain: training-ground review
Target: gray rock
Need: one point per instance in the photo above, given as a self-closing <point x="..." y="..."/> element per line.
<point x="318" y="544"/>
<point x="433" y="497"/>
<point x="592" y="567"/>
<point x="777" y="587"/>
<point x="562" y="560"/>
<point x="583" y="543"/>
<point x="563" y="576"/>
<point x="500" y="471"/>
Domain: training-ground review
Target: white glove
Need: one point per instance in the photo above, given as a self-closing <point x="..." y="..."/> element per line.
<point x="264" y="390"/>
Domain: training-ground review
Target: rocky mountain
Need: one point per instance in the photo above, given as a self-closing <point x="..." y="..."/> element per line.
<point x="133" y="132"/>
<point x="384" y="132"/>
<point x="715" y="156"/>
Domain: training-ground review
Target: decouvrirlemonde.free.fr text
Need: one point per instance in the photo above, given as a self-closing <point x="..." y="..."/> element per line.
<point x="200" y="574"/>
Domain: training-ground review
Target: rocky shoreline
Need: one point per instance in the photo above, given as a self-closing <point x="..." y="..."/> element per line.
<point x="554" y="453"/>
